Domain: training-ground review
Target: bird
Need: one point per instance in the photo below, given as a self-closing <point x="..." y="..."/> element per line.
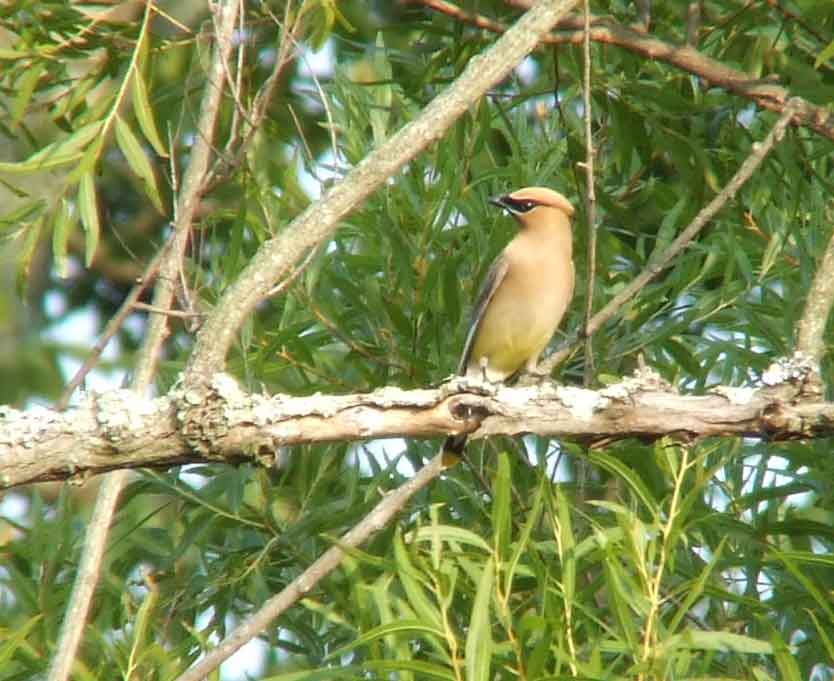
<point x="524" y="297"/>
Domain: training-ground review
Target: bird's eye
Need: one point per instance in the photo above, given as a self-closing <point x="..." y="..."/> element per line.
<point x="525" y="206"/>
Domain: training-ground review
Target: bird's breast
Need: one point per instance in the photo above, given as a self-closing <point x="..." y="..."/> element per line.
<point x="524" y="312"/>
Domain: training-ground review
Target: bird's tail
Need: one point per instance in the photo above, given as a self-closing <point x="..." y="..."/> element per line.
<point x="453" y="449"/>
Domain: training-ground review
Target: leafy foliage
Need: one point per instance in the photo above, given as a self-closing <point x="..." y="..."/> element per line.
<point x="708" y="560"/>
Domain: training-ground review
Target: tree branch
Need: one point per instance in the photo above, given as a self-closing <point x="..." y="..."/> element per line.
<point x="240" y="137"/>
<point x="765" y="93"/>
<point x="591" y="198"/>
<point x="391" y="504"/>
<point x="659" y="261"/>
<point x="570" y="31"/>
<point x="95" y="538"/>
<point x="277" y="256"/>
<point x="221" y="423"/>
<point x="811" y="336"/>
<point x="110" y="330"/>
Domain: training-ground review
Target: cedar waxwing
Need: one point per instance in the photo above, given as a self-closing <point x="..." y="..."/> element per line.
<point x="525" y="294"/>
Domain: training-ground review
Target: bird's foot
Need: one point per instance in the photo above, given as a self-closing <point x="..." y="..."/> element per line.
<point x="479" y="385"/>
<point x="532" y="378"/>
<point x="469" y="383"/>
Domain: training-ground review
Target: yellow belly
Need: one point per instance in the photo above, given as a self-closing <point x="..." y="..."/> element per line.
<point x="505" y="349"/>
<point x="524" y="311"/>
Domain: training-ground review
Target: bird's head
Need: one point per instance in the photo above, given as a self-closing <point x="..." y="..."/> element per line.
<point x="531" y="204"/>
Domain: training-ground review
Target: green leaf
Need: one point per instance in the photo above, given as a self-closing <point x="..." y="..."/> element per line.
<point x="696" y="588"/>
<point x="144" y="113"/>
<point x="522" y="545"/>
<point x="321" y="23"/>
<point x="402" y="626"/>
<point x="9" y="55"/>
<point x="669" y="226"/>
<point x="826" y="54"/>
<point x="380" y="114"/>
<point x="16" y="640"/>
<point x="138" y="161"/>
<point x="65" y="221"/>
<point x="448" y="533"/>
<point x="567" y="543"/>
<point x="410" y="579"/>
<point x="614" y="465"/>
<point x="143" y="622"/>
<point x="25" y="87"/>
<point x="58" y="153"/>
<point x="621" y="601"/>
<point x="784" y="658"/>
<point x="479" y="636"/>
<point x="30" y="243"/>
<point x="385" y="668"/>
<point x="384" y="601"/>
<point x="25" y="213"/>
<point x="720" y="641"/>
<point x="88" y="207"/>
<point x="501" y="526"/>
<point x="824" y="637"/>
<point x="818" y="593"/>
<point x="773" y="252"/>
<point x="421" y="669"/>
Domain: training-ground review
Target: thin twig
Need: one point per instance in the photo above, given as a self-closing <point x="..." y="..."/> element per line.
<point x="352" y="344"/>
<point x="235" y="83"/>
<point x="111" y="329"/>
<point x="590" y="201"/>
<point x="239" y="142"/>
<point x="659" y="262"/>
<point x="328" y="114"/>
<point x="391" y="504"/>
<point x="334" y="380"/>
<point x="177" y="314"/>
<point x="644" y="15"/>
<point x="458" y="14"/>
<point x="95" y="540"/>
<point x="793" y="16"/>
<point x="570" y="30"/>
<point x="285" y="284"/>
<point x="560" y="109"/>
<point x="693" y="23"/>
<point x="283" y="58"/>
<point x="590" y="216"/>
<point x="308" y="152"/>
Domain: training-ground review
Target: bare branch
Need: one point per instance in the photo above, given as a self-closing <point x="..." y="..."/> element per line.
<point x="221" y="423"/>
<point x="110" y="330"/>
<point x="95" y="539"/>
<point x="658" y="262"/>
<point x="176" y="314"/>
<point x="590" y="200"/>
<point x="241" y="136"/>
<point x="693" y="23"/>
<point x="277" y="256"/>
<point x="810" y="339"/>
<point x="644" y="14"/>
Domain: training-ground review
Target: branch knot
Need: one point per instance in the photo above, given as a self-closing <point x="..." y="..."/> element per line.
<point x="202" y="411"/>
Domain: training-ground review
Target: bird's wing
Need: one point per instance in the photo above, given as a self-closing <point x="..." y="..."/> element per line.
<point x="496" y="274"/>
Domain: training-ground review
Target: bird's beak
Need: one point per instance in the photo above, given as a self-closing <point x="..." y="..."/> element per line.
<point x="500" y="201"/>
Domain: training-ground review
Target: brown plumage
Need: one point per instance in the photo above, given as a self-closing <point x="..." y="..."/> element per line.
<point x="525" y="294"/>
